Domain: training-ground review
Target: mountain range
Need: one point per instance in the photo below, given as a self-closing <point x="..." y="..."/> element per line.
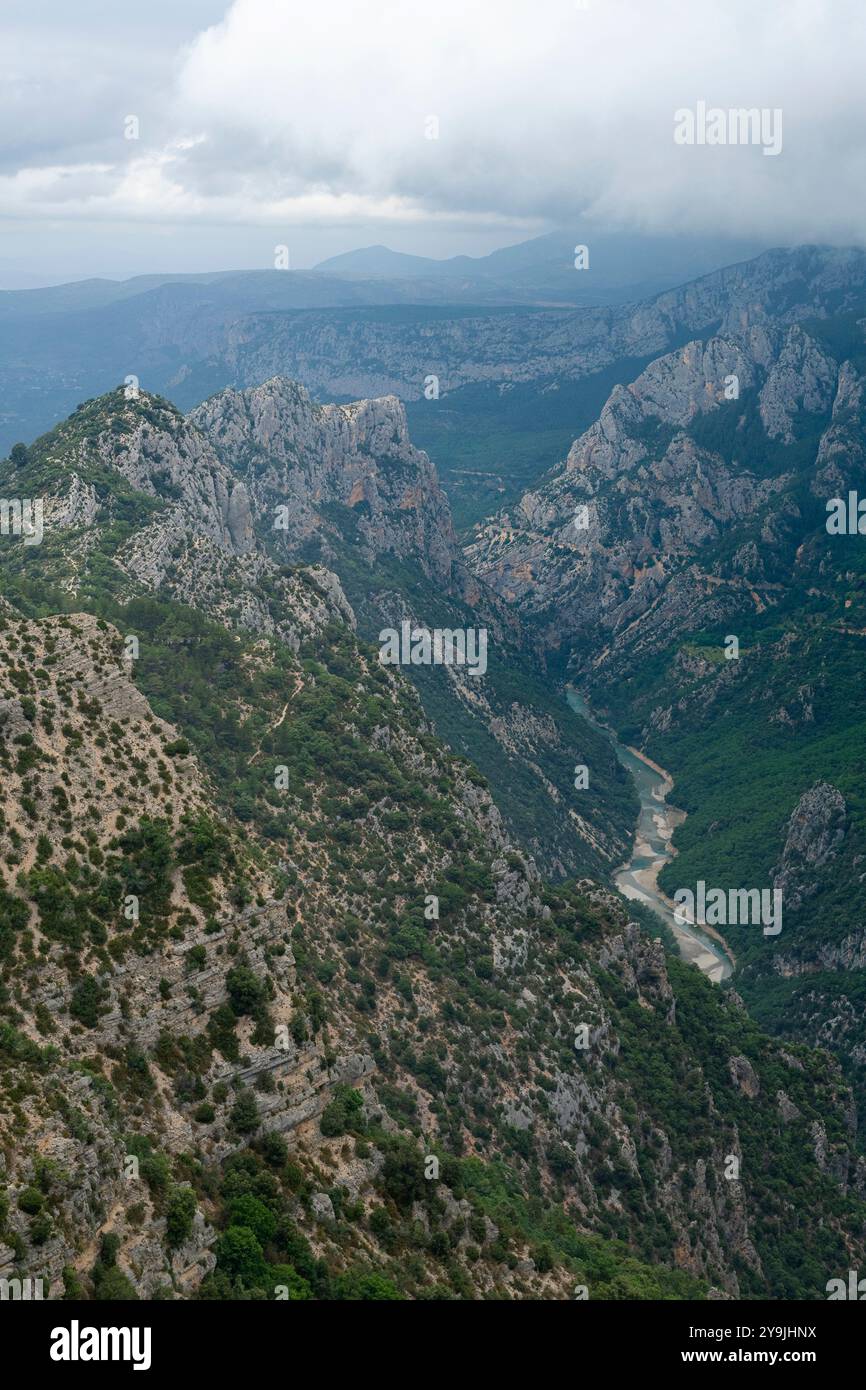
<point x="313" y="976"/>
<point x="181" y="335"/>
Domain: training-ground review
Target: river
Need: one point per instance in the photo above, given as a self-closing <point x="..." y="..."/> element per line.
<point x="638" y="878"/>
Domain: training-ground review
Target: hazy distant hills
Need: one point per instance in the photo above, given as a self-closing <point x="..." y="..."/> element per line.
<point x="622" y="266"/>
<point x="180" y="333"/>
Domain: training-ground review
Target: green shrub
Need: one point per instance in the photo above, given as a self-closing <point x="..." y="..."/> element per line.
<point x="179" y="1216"/>
<point x="244" y="1117"/>
<point x="88" y="1001"/>
<point x="343" y="1113"/>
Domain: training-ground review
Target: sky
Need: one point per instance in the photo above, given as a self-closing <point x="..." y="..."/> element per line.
<point x="442" y="128"/>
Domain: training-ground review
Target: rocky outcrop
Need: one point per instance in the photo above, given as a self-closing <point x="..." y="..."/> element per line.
<point x="610" y="553"/>
<point x="298" y="460"/>
<point x="743" y="1076"/>
<point x="814" y="836"/>
<point x="612" y="540"/>
<point x="802" y="378"/>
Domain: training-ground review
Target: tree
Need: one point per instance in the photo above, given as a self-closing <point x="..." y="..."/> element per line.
<point x="147" y="861"/>
<point x="155" y="1170"/>
<point x="343" y="1113"/>
<point x="40" y="1228"/>
<point x="245" y="990"/>
<point x="403" y="1172"/>
<point x="112" y="1286"/>
<point x="31" y="1200"/>
<point x="290" y="1284"/>
<point x="87" y="1001"/>
<point x="359" y="1285"/>
<point x="19" y="455"/>
<point x="240" y="1255"/>
<point x="274" y="1149"/>
<point x="14" y="915"/>
<point x="244" y="1118"/>
<point x="248" y="1211"/>
<point x="108" y="1249"/>
<point x="180" y="1214"/>
<point x="196" y="957"/>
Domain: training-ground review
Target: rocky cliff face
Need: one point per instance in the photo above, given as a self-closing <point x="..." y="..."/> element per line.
<point x="302" y="457"/>
<point x="248" y="512"/>
<point x="374" y="353"/>
<point x="146" y="443"/>
<point x="814" y="836"/>
<point x="177" y="519"/>
<point x="612" y="548"/>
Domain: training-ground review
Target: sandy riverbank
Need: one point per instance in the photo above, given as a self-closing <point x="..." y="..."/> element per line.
<point x="666" y="819"/>
<point x="637" y="879"/>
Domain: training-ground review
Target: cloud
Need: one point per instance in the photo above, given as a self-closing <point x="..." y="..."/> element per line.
<point x="319" y="113"/>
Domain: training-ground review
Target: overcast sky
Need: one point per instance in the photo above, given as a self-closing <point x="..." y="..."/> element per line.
<point x="265" y="122"/>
